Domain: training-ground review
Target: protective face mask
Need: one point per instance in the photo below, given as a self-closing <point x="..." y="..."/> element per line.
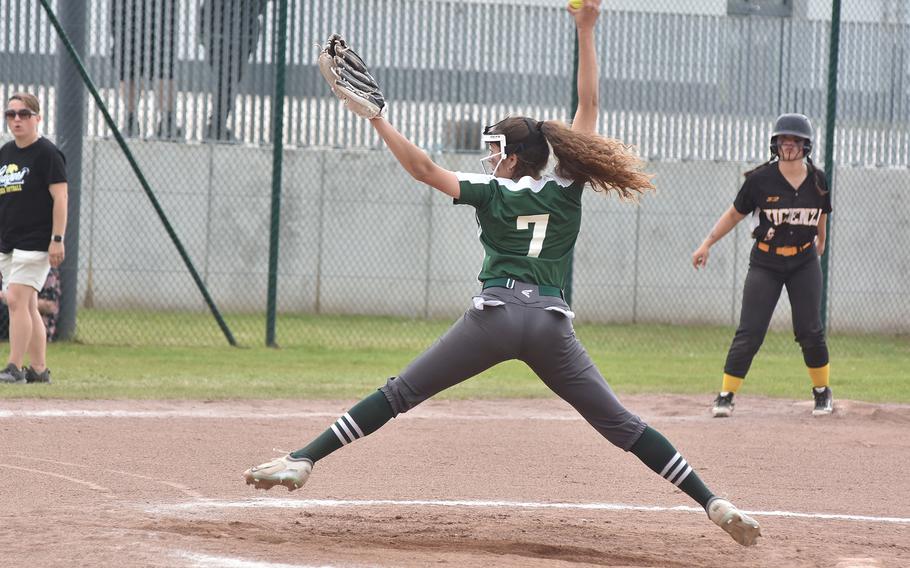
<point x="493" y="160"/>
<point x="491" y="163"/>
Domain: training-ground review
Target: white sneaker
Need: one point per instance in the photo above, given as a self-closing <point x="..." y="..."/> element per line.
<point x="743" y="528"/>
<point x="287" y="471"/>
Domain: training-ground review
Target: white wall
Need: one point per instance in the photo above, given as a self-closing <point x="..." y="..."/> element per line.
<point x="359" y="236"/>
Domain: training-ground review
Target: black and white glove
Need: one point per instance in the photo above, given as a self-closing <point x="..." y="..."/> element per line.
<point x="347" y="75"/>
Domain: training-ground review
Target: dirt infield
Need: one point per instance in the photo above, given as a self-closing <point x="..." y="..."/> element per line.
<point x="505" y="483"/>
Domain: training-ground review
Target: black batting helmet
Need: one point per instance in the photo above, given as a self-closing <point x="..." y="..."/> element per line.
<point x="792" y="124"/>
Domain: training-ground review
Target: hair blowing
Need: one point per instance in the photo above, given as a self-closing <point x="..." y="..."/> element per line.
<point x="587" y="158"/>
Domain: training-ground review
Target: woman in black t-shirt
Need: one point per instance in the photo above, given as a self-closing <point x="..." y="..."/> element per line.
<point x="789" y="200"/>
<point x="33" y="195"/>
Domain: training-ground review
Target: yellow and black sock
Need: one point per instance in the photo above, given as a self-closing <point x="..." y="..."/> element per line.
<point x="362" y="419"/>
<point x="820" y="376"/>
<point x="731" y="383"/>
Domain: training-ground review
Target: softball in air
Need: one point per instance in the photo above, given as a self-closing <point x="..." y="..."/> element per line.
<point x="576" y="4"/>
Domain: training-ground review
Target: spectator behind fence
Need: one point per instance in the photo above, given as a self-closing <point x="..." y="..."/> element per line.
<point x="48" y="307"/>
<point x="229" y="31"/>
<point x="144" y="48"/>
<point x="33" y="200"/>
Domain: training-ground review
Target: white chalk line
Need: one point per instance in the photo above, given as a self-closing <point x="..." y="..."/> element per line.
<point x="53" y="413"/>
<point x="210" y="561"/>
<point x="263" y="415"/>
<point x="310" y="503"/>
<point x="77" y="481"/>
<point x="178" y="486"/>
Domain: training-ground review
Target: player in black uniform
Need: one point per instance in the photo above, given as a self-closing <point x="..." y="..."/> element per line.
<point x="789" y="201"/>
<point x="529" y="223"/>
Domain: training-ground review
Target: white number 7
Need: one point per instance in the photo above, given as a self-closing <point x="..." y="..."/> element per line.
<point x="540" y="231"/>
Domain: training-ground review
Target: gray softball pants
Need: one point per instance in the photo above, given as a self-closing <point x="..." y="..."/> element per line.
<point x="520" y="328"/>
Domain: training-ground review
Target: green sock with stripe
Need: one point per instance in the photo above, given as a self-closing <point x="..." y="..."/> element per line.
<point x="362" y="419"/>
<point x="659" y="454"/>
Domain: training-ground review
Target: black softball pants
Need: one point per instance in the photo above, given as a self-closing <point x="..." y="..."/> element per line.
<point x="767" y="276"/>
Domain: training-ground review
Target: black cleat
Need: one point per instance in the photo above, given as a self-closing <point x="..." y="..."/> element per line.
<point x="824" y="401"/>
<point x="723" y="405"/>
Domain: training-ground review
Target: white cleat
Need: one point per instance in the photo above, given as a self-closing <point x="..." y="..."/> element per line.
<point x="287" y="471"/>
<point x="743" y="528"/>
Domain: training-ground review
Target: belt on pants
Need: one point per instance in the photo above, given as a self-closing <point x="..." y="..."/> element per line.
<point x="784" y="251"/>
<point x="509" y="283"/>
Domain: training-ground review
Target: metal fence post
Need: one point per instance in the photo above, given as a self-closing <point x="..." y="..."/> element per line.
<point x="70" y="103"/>
<point x="277" y="155"/>
<point x="829" y="143"/>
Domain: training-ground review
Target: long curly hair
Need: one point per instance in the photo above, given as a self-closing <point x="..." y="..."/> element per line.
<point x="606" y="164"/>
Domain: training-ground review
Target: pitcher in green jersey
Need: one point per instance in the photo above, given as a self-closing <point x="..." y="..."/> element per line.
<point x="529" y="222"/>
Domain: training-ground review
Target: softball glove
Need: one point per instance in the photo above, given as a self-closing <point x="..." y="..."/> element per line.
<point x="349" y="79"/>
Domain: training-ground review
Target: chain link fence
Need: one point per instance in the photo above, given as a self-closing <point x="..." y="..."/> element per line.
<point x="694" y="86"/>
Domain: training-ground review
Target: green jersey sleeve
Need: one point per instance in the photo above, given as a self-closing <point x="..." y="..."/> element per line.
<point x="477" y="190"/>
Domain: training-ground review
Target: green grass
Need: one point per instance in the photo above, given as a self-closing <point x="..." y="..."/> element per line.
<point x="133" y="355"/>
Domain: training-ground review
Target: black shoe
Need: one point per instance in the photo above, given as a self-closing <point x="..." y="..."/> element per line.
<point x="723" y="405"/>
<point x="824" y="401"/>
<point x="33" y="376"/>
<point x="12" y="375"/>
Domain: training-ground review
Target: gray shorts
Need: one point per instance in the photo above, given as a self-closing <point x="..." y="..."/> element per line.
<point x="510" y="324"/>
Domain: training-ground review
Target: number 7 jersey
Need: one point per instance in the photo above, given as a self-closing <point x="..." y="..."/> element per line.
<point x="527" y="227"/>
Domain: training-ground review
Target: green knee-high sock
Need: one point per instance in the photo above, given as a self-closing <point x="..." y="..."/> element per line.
<point x="659" y="454"/>
<point x="364" y="418"/>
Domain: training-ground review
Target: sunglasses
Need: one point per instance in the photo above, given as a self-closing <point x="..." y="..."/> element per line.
<point x="23" y="113"/>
